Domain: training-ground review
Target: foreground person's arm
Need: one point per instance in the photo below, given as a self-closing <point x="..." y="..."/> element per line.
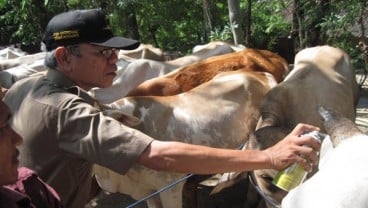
<point x="187" y="158"/>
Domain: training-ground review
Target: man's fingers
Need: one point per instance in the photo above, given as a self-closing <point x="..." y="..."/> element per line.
<point x="309" y="154"/>
<point x="310" y="141"/>
<point x="302" y="128"/>
<point x="305" y="163"/>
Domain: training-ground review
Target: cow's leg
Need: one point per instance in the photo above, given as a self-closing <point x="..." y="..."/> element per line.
<point x="154" y="202"/>
<point x="172" y="198"/>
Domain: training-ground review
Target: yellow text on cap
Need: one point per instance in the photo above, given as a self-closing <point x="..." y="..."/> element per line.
<point x="66" y="34"/>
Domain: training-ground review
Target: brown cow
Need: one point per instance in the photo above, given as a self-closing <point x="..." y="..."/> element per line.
<point x="188" y="77"/>
<point x="132" y="72"/>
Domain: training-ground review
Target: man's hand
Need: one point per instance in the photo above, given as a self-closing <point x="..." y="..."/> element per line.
<point x="295" y="148"/>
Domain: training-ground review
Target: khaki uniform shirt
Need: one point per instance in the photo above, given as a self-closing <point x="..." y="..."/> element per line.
<point x="64" y="134"/>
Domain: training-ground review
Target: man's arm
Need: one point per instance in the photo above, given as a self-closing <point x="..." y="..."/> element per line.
<point x="188" y="158"/>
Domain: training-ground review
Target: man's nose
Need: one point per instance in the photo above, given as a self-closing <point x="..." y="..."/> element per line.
<point x="114" y="57"/>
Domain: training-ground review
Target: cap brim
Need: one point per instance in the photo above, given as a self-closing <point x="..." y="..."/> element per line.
<point x="119" y="42"/>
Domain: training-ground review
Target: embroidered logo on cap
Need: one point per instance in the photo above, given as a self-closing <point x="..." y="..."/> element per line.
<point x="69" y="34"/>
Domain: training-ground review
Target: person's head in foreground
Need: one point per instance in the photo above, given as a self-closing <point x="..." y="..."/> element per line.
<point x="9" y="140"/>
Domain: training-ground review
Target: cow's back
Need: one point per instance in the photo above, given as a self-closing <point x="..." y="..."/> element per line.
<point x="220" y="113"/>
<point x="321" y="76"/>
<point x="188" y="77"/>
<point x="231" y="99"/>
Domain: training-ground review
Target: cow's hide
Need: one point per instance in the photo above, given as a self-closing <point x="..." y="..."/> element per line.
<point x="213" y="44"/>
<point x="188" y="77"/>
<point x="144" y="51"/>
<point x="206" y="115"/>
<point x="132" y="72"/>
<point x="24" y="59"/>
<point x="12" y="70"/>
<point x="322" y="75"/>
<point x="10" y="53"/>
<point x="129" y="76"/>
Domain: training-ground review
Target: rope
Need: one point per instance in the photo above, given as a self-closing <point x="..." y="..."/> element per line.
<point x="161" y="190"/>
<point x="166" y="187"/>
<point x="268" y="199"/>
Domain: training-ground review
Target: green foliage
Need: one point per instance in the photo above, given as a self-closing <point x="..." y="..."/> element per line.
<point x="222" y="35"/>
<point x="268" y="23"/>
<point x="2" y="3"/>
<point x="350" y="47"/>
<point x="23" y="22"/>
<point x="339" y="24"/>
<point x="19" y="23"/>
<point x="178" y="25"/>
<point x="170" y="25"/>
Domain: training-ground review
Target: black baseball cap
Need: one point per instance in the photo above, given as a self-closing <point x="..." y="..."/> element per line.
<point x="83" y="26"/>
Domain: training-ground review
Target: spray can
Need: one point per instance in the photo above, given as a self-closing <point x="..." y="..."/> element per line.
<point x="295" y="174"/>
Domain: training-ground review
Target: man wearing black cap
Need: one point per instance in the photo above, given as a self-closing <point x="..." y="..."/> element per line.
<point x="65" y="132"/>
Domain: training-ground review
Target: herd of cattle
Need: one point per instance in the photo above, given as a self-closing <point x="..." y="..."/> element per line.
<point x="227" y="96"/>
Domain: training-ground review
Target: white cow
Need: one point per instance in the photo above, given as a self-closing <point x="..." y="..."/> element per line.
<point x="131" y="71"/>
<point x="342" y="179"/>
<point x="191" y="117"/>
<point x="238" y="47"/>
<point x="144" y="51"/>
<point x="129" y="76"/>
<point x="202" y="52"/>
<point x="18" y="68"/>
<point x="22" y="59"/>
<point x="322" y="75"/>
<point x="11" y="53"/>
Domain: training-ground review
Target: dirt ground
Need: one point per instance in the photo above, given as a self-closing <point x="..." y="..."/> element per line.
<point x="231" y="198"/>
<point x="362" y="109"/>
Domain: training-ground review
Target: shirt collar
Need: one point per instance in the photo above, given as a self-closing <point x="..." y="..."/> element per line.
<point x="59" y="78"/>
<point x="62" y="81"/>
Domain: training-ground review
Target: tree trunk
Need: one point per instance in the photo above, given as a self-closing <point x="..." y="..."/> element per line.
<point x="296" y="29"/>
<point x="361" y="19"/>
<point x="315" y="36"/>
<point x="235" y="21"/>
<point x="207" y="18"/>
<point x="132" y="25"/>
<point x="248" y="23"/>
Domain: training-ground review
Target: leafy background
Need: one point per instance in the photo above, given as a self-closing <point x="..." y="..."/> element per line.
<point x="179" y="25"/>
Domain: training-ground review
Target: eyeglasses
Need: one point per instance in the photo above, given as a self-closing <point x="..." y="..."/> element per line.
<point x="108" y="52"/>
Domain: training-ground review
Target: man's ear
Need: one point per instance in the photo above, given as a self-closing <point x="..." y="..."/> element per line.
<point x="63" y="58"/>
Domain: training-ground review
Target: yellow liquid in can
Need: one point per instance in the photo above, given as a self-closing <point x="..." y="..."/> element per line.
<point x="290" y="177"/>
<point x="294" y="175"/>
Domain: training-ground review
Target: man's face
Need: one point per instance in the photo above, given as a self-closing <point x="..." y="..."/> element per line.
<point x="8" y="152"/>
<point x="94" y="67"/>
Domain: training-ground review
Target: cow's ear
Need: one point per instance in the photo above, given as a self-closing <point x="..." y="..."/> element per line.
<point x="253" y="142"/>
<point x="270" y="135"/>
<point x="268" y="119"/>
